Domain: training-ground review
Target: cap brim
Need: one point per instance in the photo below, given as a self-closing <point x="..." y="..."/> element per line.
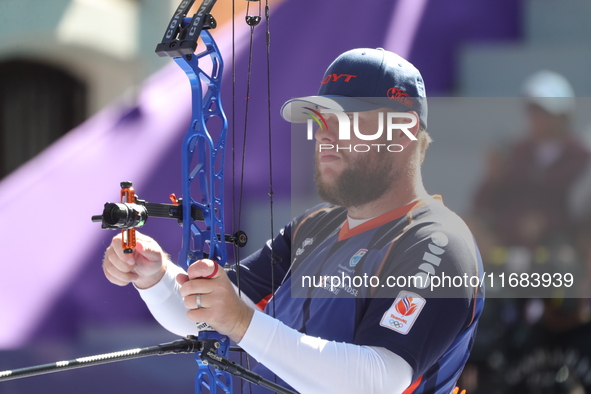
<point x="554" y="105"/>
<point x="297" y="110"/>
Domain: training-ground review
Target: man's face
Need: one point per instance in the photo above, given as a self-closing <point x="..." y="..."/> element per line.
<point x="349" y="178"/>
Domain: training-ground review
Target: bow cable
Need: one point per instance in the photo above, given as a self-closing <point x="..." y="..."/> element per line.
<point x="252" y="21"/>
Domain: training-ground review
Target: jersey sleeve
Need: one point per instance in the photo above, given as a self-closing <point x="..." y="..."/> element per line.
<point x="410" y="319"/>
<point x="256" y="276"/>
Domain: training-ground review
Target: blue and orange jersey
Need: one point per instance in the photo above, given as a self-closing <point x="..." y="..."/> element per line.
<point x="356" y="285"/>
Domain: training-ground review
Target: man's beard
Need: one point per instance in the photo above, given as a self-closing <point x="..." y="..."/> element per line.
<point x="363" y="181"/>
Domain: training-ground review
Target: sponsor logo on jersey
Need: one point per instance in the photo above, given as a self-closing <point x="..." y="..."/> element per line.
<point x="356" y="257"/>
<point x="432" y="258"/>
<point x="302" y="249"/>
<point x="403" y="313"/>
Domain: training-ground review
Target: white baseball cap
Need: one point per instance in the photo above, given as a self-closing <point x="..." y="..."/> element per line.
<point x="551" y="91"/>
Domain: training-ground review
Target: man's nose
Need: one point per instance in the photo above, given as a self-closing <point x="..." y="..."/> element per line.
<point x="328" y="131"/>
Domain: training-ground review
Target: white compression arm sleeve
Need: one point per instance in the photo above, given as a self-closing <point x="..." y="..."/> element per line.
<point x="166" y="304"/>
<point x="313" y="365"/>
<point x="309" y="364"/>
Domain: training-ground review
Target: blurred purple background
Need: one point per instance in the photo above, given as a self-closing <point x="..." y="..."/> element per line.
<point x="56" y="303"/>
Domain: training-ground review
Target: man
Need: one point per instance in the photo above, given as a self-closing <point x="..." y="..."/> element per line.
<point x="379" y="221"/>
<point x="529" y="220"/>
<point x="524" y="199"/>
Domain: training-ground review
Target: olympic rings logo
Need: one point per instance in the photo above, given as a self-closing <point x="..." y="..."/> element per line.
<point x="395" y="323"/>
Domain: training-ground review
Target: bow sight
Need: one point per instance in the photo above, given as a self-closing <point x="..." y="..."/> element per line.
<point x="132" y="212"/>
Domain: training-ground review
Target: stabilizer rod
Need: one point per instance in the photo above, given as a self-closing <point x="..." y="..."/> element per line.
<point x="186" y="345"/>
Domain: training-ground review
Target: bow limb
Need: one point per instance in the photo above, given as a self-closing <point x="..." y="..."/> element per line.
<point x="202" y="162"/>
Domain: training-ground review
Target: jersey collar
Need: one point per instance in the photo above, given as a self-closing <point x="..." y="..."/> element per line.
<point x="397" y="213"/>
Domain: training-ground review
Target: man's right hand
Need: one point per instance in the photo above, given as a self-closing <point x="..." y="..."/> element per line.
<point x="144" y="268"/>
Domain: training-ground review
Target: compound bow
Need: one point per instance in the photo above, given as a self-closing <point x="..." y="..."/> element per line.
<point x="203" y="172"/>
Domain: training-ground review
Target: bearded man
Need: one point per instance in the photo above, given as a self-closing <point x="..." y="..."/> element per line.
<point x="352" y="308"/>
